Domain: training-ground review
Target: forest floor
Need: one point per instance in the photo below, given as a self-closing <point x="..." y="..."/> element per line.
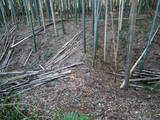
<point x="88" y="90"/>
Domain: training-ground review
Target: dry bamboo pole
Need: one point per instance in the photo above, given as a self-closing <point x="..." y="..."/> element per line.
<point x="28" y="57"/>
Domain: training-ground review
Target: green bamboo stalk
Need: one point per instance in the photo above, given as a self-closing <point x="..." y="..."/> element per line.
<point x="93" y="22"/>
<point x="97" y="9"/>
<point x="3" y="15"/>
<point x="37" y="11"/>
<point x="42" y="15"/>
<point x="53" y="16"/>
<point x="26" y="11"/>
<point x="106" y="30"/>
<point x="84" y="24"/>
<point x="76" y="10"/>
<point x="61" y="14"/>
<point x="31" y="23"/>
<point x="47" y="8"/>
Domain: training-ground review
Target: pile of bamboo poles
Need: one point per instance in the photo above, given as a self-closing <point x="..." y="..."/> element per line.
<point x="7" y="40"/>
<point x="21" y="81"/>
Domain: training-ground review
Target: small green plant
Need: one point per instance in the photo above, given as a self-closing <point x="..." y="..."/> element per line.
<point x="10" y="111"/>
<point x="48" y="55"/>
<point x="71" y="116"/>
<point x="152" y="89"/>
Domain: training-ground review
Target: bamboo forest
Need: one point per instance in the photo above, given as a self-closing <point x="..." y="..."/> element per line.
<point x="79" y="59"/>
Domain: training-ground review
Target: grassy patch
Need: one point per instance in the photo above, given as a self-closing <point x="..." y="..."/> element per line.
<point x="71" y="116"/>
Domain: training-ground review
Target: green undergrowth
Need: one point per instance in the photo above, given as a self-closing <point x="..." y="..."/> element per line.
<point x="71" y="116"/>
<point x="47" y="56"/>
<point x="11" y="109"/>
<point x="154" y="88"/>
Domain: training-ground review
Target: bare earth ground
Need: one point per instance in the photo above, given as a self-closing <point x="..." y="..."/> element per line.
<point x="88" y="90"/>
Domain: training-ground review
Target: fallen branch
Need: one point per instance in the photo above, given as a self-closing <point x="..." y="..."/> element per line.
<point x="145" y="79"/>
<point x="38" y="30"/>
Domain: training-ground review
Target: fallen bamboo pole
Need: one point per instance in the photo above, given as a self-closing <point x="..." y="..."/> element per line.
<point x="28" y="57"/>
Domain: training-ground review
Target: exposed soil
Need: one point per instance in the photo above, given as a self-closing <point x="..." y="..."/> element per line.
<point x="89" y="90"/>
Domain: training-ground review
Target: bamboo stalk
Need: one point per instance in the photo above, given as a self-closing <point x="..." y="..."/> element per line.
<point x="106" y="30"/>
<point x="84" y="24"/>
<point x="42" y="15"/>
<point x="53" y="16"/>
<point x="133" y="12"/>
<point x="3" y="15"/>
<point x="143" y="53"/>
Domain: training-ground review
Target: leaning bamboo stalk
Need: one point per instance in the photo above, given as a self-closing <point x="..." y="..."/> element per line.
<point x="142" y="55"/>
<point x="53" y="16"/>
<point x="38" y="30"/>
<point x="153" y="28"/>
